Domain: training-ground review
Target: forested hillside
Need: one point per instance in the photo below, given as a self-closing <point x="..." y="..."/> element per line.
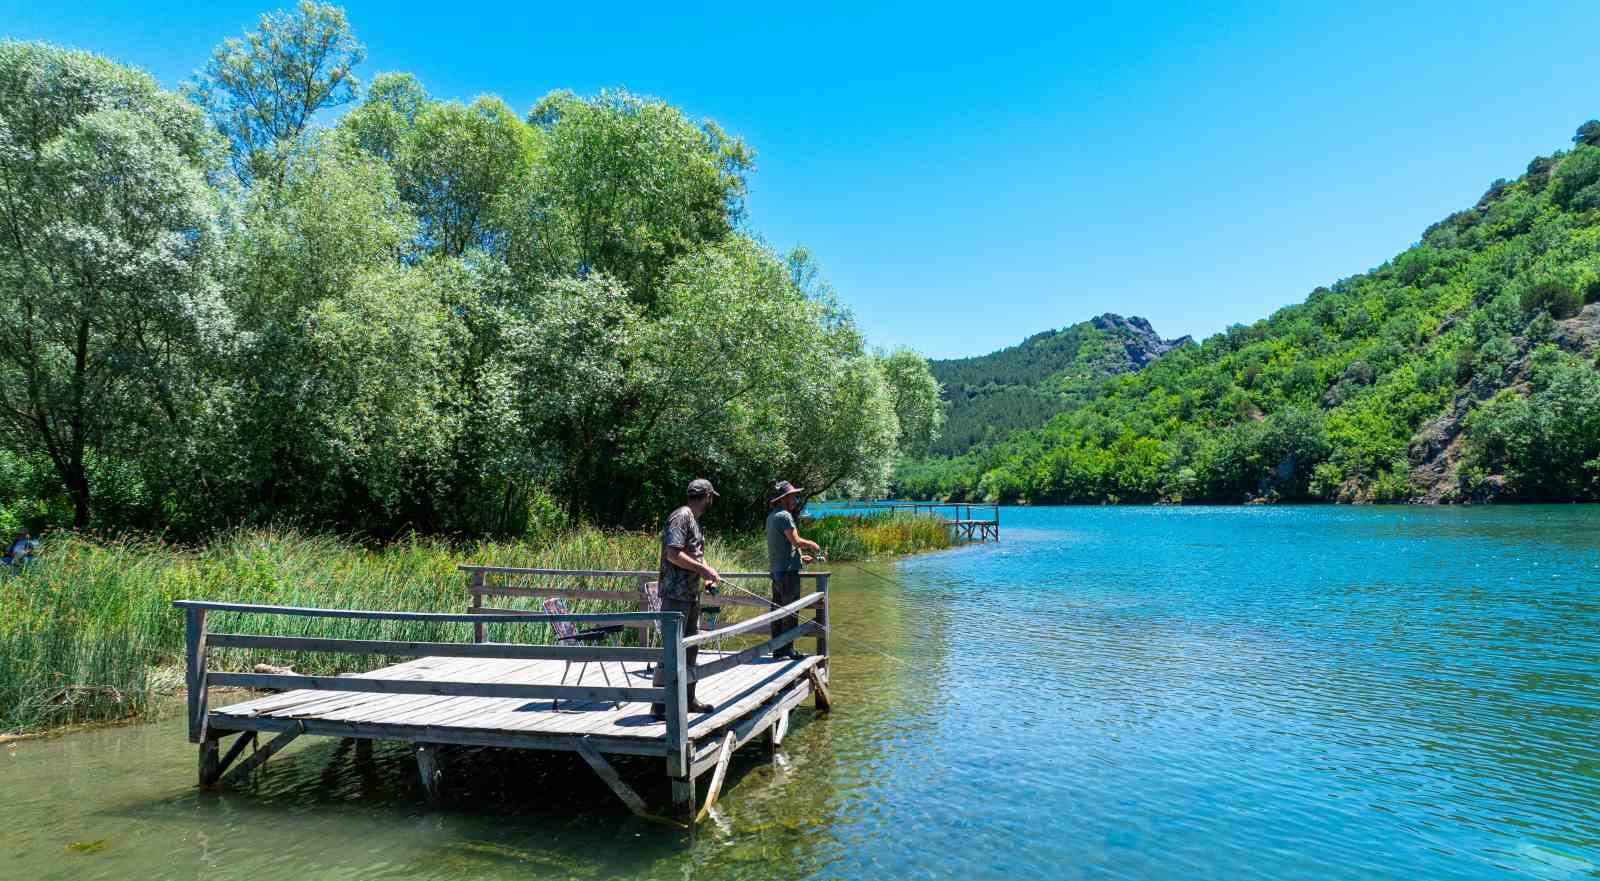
<point x="1463" y="369"/>
<point x="427" y="314"/>
<point x="991" y="396"/>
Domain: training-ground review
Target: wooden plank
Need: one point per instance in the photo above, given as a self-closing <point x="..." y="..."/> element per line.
<point x="780" y="730"/>
<point x="728" y="662"/>
<point x="260" y="756"/>
<point x="432" y="686"/>
<point x="822" y="619"/>
<point x="195" y="656"/>
<point x="400" y="649"/>
<point x="620" y="596"/>
<point x="420" y="709"/>
<point x="459" y="736"/>
<point x="301" y="702"/>
<point x="717" y="776"/>
<point x="476" y="583"/>
<point x="612" y="779"/>
<point x="824" y="702"/>
<point x="767" y="679"/>
<point x="771" y="713"/>
<point x="676" y="700"/>
<point x="598" y="573"/>
<point x="370" y="615"/>
<point x="628" y="619"/>
<point x="754" y="623"/>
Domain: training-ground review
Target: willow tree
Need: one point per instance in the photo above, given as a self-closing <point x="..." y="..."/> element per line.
<point x="108" y="261"/>
<point x="265" y="89"/>
<point x="629" y="185"/>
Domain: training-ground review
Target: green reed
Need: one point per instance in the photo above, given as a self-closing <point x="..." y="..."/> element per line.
<point x="88" y="631"/>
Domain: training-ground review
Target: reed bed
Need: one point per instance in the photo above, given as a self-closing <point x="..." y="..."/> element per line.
<point x="870" y="536"/>
<point x="88" y="632"/>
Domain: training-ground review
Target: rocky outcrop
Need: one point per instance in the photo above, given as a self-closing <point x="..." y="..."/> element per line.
<point x="1438" y="446"/>
<point x="1139" y="339"/>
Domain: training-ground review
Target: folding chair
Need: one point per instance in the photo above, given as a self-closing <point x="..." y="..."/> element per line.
<point x="568" y="632"/>
<point x="651" y="592"/>
<point x="652" y="603"/>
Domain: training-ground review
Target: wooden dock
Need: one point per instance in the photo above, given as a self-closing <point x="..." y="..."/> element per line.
<point x="966" y="522"/>
<point x="590" y="699"/>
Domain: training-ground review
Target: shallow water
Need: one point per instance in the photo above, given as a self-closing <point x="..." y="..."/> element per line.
<point x="1129" y="693"/>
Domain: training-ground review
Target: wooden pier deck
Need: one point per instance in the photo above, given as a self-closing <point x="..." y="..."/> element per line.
<point x="590" y="699"/>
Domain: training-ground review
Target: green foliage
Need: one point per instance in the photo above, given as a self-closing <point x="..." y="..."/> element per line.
<point x="1022" y="386"/>
<point x="110" y="246"/>
<point x="1576" y="184"/>
<point x="433" y="316"/>
<point x="628" y="187"/>
<point x="915" y="396"/>
<point x="264" y="89"/>
<point x="1550" y="295"/>
<point x="1341" y="397"/>
<point x="1547" y="442"/>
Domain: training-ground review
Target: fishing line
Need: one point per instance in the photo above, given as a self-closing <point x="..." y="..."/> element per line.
<point x="825" y="628"/>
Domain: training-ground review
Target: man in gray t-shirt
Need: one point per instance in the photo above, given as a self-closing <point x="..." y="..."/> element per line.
<point x="682" y="567"/>
<point x="785" y="557"/>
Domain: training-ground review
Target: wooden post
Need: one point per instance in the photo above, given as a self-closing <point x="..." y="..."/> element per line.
<point x="477" y="601"/>
<point x="677" y="706"/>
<point x="210" y="761"/>
<point x="677" y="697"/>
<point x="428" y="767"/>
<point x="683" y="800"/>
<point x="195" y="682"/>
<point x="822" y="618"/>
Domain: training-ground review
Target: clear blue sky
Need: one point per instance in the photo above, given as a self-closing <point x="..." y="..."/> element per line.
<point x="969" y="174"/>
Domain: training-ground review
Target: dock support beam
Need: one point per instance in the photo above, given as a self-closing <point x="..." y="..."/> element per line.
<point x="259" y="757"/>
<point x="428" y="767"/>
<point x="611" y="777"/>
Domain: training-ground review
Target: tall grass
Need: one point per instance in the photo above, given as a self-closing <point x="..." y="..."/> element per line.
<point x="864" y="537"/>
<point x="88" y="632"/>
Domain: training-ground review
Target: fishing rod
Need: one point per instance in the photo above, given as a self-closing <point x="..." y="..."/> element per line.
<point x="825" y="628"/>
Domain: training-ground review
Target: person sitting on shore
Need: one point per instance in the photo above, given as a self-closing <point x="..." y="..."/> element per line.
<point x="785" y="557"/>
<point x="21" y="551"/>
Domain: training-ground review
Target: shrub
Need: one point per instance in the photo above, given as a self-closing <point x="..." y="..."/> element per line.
<point x="1551" y="295"/>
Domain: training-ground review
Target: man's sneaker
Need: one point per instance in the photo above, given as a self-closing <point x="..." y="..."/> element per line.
<point x="700" y="707"/>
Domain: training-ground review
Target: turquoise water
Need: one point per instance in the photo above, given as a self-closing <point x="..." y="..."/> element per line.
<point x="1128" y="693"/>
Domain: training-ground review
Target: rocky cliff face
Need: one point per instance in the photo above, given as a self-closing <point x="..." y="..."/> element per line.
<point x="1437" y="448"/>
<point x="1139" y="339"/>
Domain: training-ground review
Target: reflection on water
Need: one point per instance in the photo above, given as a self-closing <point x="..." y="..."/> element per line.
<point x="1107" y="693"/>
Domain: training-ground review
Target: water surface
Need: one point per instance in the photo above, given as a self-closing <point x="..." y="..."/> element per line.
<point x="1130" y="693"/>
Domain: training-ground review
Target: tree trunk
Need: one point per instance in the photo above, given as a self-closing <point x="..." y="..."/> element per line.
<point x="78" y="487"/>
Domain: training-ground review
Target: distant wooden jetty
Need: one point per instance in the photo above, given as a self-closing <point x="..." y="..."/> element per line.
<point x="965" y="522"/>
<point x="590" y="699"/>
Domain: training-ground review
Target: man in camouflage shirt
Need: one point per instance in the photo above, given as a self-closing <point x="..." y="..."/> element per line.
<point x="683" y="567"/>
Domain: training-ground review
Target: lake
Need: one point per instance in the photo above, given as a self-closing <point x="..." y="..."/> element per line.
<point x="1127" y="693"/>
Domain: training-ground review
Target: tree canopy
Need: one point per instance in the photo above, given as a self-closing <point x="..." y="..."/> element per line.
<point x="430" y="314"/>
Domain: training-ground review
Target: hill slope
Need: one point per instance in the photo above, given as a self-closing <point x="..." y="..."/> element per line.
<point x="1022" y="386"/>
<point x="1461" y="370"/>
